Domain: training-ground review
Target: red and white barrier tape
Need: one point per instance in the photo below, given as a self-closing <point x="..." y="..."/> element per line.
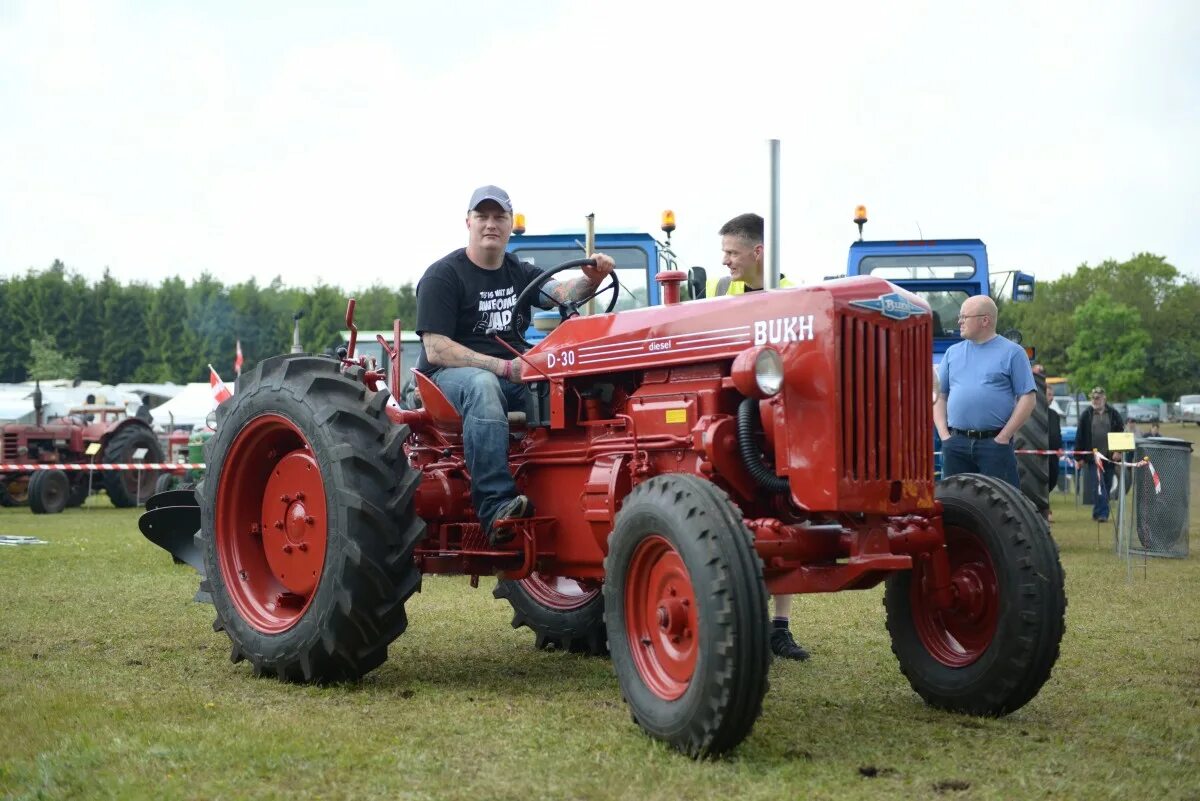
<point x="160" y="466"/>
<point x="1032" y="452"/>
<point x="1144" y="462"/>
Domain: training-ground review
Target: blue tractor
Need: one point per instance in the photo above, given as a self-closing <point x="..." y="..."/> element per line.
<point x="945" y="272"/>
<point x="639" y="258"/>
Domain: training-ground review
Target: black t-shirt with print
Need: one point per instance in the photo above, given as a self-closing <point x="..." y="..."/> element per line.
<point x="460" y="300"/>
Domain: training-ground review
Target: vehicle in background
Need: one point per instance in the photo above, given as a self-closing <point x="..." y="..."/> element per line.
<point x="944" y="272"/>
<point x="1143" y="410"/>
<point x="639" y="259"/>
<point x="1189" y="409"/>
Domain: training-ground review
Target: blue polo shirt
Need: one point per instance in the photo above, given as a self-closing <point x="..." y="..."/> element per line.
<point x="982" y="382"/>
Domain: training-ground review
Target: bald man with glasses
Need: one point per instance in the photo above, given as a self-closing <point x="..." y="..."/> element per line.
<point x="987" y="392"/>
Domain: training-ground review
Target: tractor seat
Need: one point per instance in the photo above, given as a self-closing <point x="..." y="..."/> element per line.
<point x="443" y="413"/>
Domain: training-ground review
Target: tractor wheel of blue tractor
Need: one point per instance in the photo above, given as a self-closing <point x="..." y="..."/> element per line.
<point x="686" y="610"/>
<point x="990" y="651"/>
<point x="307" y="522"/>
<point x="563" y="613"/>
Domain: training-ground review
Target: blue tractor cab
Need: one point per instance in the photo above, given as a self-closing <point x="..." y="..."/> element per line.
<point x="639" y="258"/>
<point x="945" y="272"/>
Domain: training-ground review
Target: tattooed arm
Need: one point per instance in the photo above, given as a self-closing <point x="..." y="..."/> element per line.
<point x="443" y="351"/>
<point x="585" y="285"/>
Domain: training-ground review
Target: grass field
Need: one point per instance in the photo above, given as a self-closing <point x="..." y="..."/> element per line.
<point x="113" y="685"/>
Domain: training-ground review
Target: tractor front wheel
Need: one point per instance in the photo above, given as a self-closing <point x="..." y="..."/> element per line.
<point x="307" y="522"/>
<point x="48" y="492"/>
<point x="686" y="610"/>
<point x="561" y="612"/>
<point x="993" y="648"/>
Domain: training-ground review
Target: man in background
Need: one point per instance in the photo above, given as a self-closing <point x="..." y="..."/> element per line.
<point x="987" y="394"/>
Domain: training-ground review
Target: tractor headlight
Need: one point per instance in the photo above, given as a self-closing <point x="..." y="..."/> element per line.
<point x="768" y="371"/>
<point x="758" y="372"/>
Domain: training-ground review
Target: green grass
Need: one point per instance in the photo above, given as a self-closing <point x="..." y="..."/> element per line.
<point x="113" y="685"/>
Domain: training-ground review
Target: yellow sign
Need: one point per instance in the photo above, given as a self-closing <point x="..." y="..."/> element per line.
<point x="93" y="449"/>
<point x="676" y="415"/>
<point x="1120" y="441"/>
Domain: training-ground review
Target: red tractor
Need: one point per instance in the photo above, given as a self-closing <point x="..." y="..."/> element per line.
<point x="685" y="461"/>
<point x="66" y="440"/>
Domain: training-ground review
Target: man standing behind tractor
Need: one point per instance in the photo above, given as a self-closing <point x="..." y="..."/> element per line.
<point x="464" y="300"/>
<point x="1096" y="422"/>
<point x="987" y="394"/>
<point x="742" y="249"/>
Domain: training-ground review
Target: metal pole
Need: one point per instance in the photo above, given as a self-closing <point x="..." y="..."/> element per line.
<point x="589" y="247"/>
<point x="771" y="277"/>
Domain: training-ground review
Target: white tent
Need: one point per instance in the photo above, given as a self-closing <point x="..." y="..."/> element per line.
<point x="189" y="408"/>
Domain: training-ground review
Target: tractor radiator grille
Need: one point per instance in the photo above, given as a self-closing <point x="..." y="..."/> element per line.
<point x="886" y="394"/>
<point x="10" y="448"/>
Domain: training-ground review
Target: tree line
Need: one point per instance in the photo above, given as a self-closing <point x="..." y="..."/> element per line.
<point x="1132" y="326"/>
<point x="137" y="332"/>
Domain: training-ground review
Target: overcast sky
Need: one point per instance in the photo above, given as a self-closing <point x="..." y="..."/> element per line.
<point x="340" y="141"/>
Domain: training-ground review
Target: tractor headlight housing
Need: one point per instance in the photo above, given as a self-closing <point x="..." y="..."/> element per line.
<point x="758" y="372"/>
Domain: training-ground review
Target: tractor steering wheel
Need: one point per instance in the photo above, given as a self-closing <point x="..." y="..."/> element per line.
<point x="570" y="308"/>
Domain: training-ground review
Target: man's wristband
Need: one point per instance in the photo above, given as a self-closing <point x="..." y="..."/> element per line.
<point x="508" y="371"/>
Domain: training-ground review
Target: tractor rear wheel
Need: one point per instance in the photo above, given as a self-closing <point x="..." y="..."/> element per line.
<point x="561" y="612"/>
<point x="307" y="522"/>
<point x="128" y="488"/>
<point x="686" y="610"/>
<point x="1034" y="471"/>
<point x="992" y="650"/>
<point x="48" y="491"/>
<point x="14" y="491"/>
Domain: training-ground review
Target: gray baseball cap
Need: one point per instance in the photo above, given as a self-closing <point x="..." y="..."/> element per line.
<point x="490" y="192"/>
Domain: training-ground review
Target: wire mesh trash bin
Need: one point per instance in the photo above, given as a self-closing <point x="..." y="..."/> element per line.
<point x="1161" y="519"/>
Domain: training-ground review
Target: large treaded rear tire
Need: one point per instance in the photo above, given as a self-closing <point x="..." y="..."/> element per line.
<point x="1034" y="471"/>
<point x="128" y="488"/>
<point x="686" y="610"/>
<point x="569" y="618"/>
<point x="988" y="656"/>
<point x="300" y="410"/>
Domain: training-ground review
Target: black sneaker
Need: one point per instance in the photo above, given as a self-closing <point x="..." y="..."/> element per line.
<point x="785" y="647"/>
<point x="518" y="507"/>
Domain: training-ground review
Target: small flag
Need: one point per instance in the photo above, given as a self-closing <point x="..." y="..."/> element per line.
<point x="220" y="392"/>
<point x="237" y="362"/>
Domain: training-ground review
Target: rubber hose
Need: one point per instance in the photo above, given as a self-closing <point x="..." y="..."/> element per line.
<point x="747" y="418"/>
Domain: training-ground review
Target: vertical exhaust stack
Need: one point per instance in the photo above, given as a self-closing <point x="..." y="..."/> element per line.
<point x="37" y="403"/>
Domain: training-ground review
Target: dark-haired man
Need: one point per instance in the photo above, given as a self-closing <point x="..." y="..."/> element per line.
<point x="742" y="252"/>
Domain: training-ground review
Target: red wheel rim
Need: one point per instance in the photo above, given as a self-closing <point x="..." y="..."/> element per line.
<point x="271" y="524"/>
<point x="959" y="635"/>
<point x="660" y="618"/>
<point x="558" y="592"/>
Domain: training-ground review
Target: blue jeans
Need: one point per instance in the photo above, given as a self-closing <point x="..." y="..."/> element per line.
<point x="1100" y="507"/>
<point x="961" y="454"/>
<point x="483" y="400"/>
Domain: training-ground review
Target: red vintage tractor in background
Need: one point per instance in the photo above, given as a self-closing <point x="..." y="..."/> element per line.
<point x="66" y="440"/>
<point x="685" y="461"/>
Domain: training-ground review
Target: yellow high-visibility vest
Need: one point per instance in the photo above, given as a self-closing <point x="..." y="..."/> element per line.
<point x="716" y="285"/>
